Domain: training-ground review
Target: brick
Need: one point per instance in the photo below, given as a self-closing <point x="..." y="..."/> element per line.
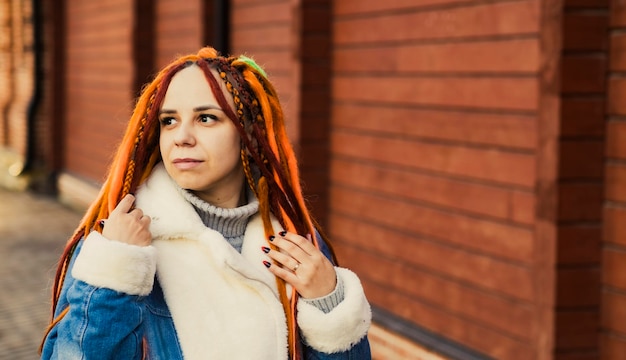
<point x="615" y="224"/>
<point x="487" y="19"/>
<point x="501" y="93"/>
<point x="617" y="61"/>
<point x="352" y="7"/>
<point x="581" y="159"/>
<point x="617" y="14"/>
<point x="583" y="74"/>
<point x="486" y="164"/>
<point x="99" y="86"/>
<point x="578" y="287"/>
<point x="615" y="179"/>
<point x="580" y="201"/>
<point x="167" y="10"/>
<point x="614" y="268"/>
<point x="614" y="312"/>
<point x="577" y="329"/>
<point x="616" y="93"/>
<point x="273" y="60"/>
<point x="612" y="347"/>
<point x="184" y="28"/>
<point x="248" y="40"/>
<point x="582" y="117"/>
<point x="452" y="327"/>
<point x="520" y="56"/>
<point x="484" y="279"/>
<point x="579" y="244"/>
<point x="616" y="139"/>
<point x="586" y="4"/>
<point x="506" y="204"/>
<point x="585" y="31"/>
<point x="488" y="310"/>
<point x="515" y="131"/>
<point x="261" y="14"/>
<point x="244" y="3"/>
<point x="468" y="232"/>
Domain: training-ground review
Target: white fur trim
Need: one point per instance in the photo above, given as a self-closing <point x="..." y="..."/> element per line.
<point x="115" y="265"/>
<point x="342" y="327"/>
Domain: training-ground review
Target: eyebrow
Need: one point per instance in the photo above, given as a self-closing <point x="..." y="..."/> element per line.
<point x="196" y="109"/>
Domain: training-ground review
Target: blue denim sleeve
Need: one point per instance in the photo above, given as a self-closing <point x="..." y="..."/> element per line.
<point x="100" y="324"/>
<point x="324" y="247"/>
<point x="360" y="351"/>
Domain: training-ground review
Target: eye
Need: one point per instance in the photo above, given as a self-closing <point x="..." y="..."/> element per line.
<point x="167" y="120"/>
<point x="207" y="118"/>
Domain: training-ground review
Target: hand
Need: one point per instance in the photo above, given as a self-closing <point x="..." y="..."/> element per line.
<point x="301" y="265"/>
<point x="128" y="226"/>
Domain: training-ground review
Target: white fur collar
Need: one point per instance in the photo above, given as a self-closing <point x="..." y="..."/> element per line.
<point x="219" y="298"/>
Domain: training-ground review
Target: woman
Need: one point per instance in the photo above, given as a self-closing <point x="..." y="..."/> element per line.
<point x="217" y="256"/>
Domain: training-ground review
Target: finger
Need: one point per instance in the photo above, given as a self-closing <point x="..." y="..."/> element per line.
<point x="290" y="248"/>
<point x="124" y="205"/>
<point x="284" y="274"/>
<point x="285" y="260"/>
<point x="304" y="244"/>
<point x="145" y="220"/>
<point x="137" y="213"/>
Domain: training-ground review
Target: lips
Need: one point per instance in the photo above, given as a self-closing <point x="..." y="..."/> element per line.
<point x="186" y="163"/>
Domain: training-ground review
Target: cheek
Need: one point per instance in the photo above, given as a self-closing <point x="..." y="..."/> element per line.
<point x="163" y="143"/>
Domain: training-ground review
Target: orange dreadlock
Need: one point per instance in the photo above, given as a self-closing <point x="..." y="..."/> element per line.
<point x="268" y="159"/>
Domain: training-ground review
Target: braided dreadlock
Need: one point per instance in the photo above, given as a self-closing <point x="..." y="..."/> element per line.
<point x="268" y="159"/>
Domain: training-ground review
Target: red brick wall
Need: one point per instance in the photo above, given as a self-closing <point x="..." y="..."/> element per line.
<point x="178" y="29"/>
<point x="100" y="83"/>
<point x="268" y="32"/>
<point x="433" y="165"/>
<point x="581" y="180"/>
<point x="613" y="334"/>
<point x="22" y="76"/>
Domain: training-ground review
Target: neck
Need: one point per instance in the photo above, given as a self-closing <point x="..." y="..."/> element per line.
<point x="229" y="202"/>
<point x="232" y="194"/>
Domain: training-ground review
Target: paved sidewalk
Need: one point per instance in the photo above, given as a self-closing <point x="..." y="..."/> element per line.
<point x="33" y="231"/>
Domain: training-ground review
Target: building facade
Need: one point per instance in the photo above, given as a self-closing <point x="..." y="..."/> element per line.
<point x="466" y="157"/>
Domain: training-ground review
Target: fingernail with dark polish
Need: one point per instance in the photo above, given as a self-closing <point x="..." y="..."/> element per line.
<point x="265" y="249"/>
<point x="282" y="233"/>
<point x="101" y="222"/>
<point x="272" y="237"/>
<point x="267" y="263"/>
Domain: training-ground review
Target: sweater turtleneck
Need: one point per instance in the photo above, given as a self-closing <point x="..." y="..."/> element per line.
<point x="230" y="222"/>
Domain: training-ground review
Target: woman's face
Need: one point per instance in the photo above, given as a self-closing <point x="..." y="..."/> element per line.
<point x="199" y="144"/>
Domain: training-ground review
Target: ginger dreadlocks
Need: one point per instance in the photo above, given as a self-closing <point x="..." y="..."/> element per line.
<point x="268" y="159"/>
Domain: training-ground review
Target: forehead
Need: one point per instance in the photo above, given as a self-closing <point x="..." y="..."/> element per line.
<point x="189" y="88"/>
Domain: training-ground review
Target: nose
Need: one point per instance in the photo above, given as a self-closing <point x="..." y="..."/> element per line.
<point x="184" y="135"/>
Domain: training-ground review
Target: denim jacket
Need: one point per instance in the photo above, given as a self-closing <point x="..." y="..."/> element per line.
<point x="135" y="313"/>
